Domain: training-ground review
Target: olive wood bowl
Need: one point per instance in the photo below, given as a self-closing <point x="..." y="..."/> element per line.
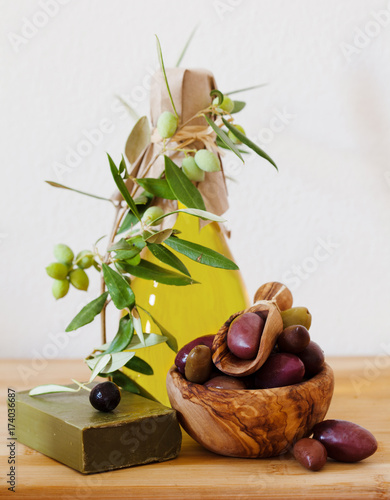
<point x="250" y="423"/>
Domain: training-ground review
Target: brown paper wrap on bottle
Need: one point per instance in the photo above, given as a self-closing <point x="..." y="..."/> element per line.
<point x="191" y="93"/>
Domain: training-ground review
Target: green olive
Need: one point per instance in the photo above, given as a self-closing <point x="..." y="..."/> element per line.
<point x="84" y="259"/>
<point x="63" y="254"/>
<point x="207" y="161"/>
<point x="57" y="270"/>
<point x="296" y="316"/>
<point x="191" y="169"/>
<point x="79" y="279"/>
<point x="167" y="124"/>
<point x="60" y="288"/>
<point x="151" y="214"/>
<point x="199" y="364"/>
<point x="226" y="105"/>
<point x="233" y="138"/>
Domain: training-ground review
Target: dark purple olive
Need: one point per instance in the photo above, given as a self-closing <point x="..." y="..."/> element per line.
<point x="243" y="338"/>
<point x="345" y="441"/>
<point x="279" y="370"/>
<point x="225" y="382"/>
<point x="293" y="339"/>
<point x="105" y="396"/>
<point x="310" y="453"/>
<point x="313" y="358"/>
<point x="181" y="356"/>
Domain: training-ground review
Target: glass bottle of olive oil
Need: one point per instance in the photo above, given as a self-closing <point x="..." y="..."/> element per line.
<point x="190" y="311"/>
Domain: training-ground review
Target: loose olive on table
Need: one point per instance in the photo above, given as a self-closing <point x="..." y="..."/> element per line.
<point x="310" y="453"/>
<point x="345" y="441"/>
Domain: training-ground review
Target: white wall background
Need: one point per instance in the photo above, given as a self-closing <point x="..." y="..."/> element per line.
<point x="324" y="73"/>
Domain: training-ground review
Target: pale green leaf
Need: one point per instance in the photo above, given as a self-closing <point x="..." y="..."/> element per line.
<point x="50" y="388"/>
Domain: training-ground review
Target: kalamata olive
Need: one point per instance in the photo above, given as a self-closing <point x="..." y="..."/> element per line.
<point x="225" y="382"/>
<point x="243" y="338"/>
<point x="310" y="453"/>
<point x="199" y="364"/>
<point x="313" y="358"/>
<point x="293" y="339"/>
<point x="345" y="441"/>
<point x="296" y="316"/>
<point x="279" y="370"/>
<point x="181" y="356"/>
<point x="105" y="396"/>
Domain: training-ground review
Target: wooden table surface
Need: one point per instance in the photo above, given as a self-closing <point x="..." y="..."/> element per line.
<point x="362" y="395"/>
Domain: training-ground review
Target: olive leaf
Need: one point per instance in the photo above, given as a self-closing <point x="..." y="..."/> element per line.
<point x="238" y="106"/>
<point x="139" y="365"/>
<point x="224" y="138"/>
<point x="246" y="89"/>
<point x="138" y="325"/>
<point x="50" y="388"/>
<point x="129" y="108"/>
<point x="244" y="139"/>
<point x="122" y="188"/>
<point x="182" y="187"/>
<point x="171" y="342"/>
<point x="120" y="291"/>
<point x="167" y="257"/>
<point x="130" y="385"/>
<point x="201" y="254"/>
<point x="157" y="187"/>
<point x="100" y="366"/>
<point x="158" y="236"/>
<point x="186" y="45"/>
<point x="58" y="185"/>
<point x="161" y="59"/>
<point x="123" y="381"/>
<point x="123" y="336"/>
<point x="223" y="145"/>
<point x="117" y="360"/>
<point x="138" y="139"/>
<point x="130" y="248"/>
<point x="150" y="340"/>
<point x="149" y="271"/>
<point x="87" y="313"/>
<point x="201" y="214"/>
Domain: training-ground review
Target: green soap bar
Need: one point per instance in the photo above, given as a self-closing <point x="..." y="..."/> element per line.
<point x="65" y="426"/>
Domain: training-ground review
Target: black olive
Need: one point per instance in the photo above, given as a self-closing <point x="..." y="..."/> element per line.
<point x="105" y="396"/>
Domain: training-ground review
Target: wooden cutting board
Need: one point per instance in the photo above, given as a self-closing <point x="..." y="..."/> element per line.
<point x="362" y="395"/>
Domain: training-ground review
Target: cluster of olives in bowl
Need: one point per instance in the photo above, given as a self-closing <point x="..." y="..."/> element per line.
<point x="261" y="385"/>
<point x="293" y="357"/>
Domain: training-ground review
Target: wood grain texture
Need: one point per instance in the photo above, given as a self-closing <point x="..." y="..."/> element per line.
<point x="250" y="423"/>
<point x="361" y="396"/>
<point x="227" y="362"/>
<point x="277" y="292"/>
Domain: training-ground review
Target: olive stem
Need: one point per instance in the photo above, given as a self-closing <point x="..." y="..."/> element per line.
<point x="82" y="386"/>
<point x="117" y="221"/>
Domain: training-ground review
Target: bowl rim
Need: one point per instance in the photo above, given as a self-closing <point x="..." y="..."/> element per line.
<point x="310" y="383"/>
